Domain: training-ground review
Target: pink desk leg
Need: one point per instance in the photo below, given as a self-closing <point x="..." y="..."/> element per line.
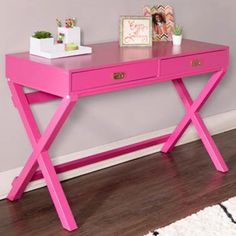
<point x="40" y="157"/>
<point x="192" y="114"/>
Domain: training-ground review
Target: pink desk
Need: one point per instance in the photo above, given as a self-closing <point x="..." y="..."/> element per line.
<point x="109" y="68"/>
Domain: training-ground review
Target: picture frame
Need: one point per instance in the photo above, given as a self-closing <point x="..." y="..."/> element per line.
<point x="162" y="21"/>
<point x="135" y="31"/>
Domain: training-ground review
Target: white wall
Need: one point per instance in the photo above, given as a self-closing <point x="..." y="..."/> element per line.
<point x="102" y="119"/>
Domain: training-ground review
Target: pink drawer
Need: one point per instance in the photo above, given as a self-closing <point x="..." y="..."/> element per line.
<point x="197" y="63"/>
<point x="113" y="75"/>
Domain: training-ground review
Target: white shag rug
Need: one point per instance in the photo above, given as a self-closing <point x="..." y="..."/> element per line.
<point x="217" y="220"/>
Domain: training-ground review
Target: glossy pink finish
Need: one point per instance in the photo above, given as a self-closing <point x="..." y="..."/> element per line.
<point x="70" y="78"/>
<point x="105" y="155"/>
<point x="132" y="72"/>
<point x="192" y="114"/>
<point x="110" y="54"/>
<point x="40" y="157"/>
<point x="39" y="97"/>
<point x="59" y="76"/>
<point x="183" y="65"/>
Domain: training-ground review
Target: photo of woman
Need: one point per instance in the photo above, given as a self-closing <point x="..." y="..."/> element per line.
<point x="159" y="24"/>
<point x="162" y="21"/>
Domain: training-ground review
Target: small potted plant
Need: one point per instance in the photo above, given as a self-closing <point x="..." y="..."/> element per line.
<point x="41" y="41"/>
<point x="177" y="35"/>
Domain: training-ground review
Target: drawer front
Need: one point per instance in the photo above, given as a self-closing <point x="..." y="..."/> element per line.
<point x="113" y="75"/>
<point x="189" y="65"/>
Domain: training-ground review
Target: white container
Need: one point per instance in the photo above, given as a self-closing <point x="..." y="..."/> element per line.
<point x="58" y="51"/>
<point x="177" y="39"/>
<point x="38" y="45"/>
<point x="72" y="35"/>
<point x="48" y="49"/>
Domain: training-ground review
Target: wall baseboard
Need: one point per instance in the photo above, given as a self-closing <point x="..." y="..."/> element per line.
<point x="216" y="124"/>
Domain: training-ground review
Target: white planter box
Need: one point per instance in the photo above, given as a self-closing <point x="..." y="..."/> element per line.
<point x="37" y="45"/>
<point x="58" y="52"/>
<point x="46" y="47"/>
<point x="72" y="35"/>
<point x="177" y="39"/>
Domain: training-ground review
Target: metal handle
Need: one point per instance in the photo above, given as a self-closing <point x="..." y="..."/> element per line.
<point x="118" y="75"/>
<point x="196" y="62"/>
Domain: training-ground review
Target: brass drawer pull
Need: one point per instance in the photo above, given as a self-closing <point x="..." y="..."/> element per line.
<point x="196" y="62"/>
<point x="118" y="75"/>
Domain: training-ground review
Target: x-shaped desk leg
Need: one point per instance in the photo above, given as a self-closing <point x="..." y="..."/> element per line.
<point x="39" y="157"/>
<point x="192" y="114"/>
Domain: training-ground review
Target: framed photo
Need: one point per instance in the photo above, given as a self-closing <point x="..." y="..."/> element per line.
<point x="162" y="21"/>
<point x="135" y="31"/>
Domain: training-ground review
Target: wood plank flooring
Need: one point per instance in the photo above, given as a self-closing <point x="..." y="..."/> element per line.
<point x="132" y="198"/>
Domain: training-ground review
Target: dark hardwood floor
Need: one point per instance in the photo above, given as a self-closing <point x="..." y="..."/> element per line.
<point x="132" y="198"/>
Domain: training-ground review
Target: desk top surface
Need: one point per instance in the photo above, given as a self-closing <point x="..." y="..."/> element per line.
<point x="112" y="54"/>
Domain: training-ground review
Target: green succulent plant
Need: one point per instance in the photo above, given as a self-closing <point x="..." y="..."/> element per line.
<point x="42" y="35"/>
<point x="177" y="30"/>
